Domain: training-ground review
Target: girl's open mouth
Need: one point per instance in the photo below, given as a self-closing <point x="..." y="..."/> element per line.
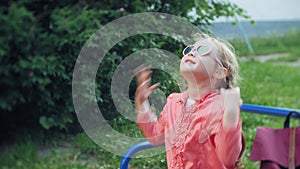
<point x="189" y="61"/>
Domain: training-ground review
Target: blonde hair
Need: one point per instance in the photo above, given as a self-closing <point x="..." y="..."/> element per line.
<point x="225" y="53"/>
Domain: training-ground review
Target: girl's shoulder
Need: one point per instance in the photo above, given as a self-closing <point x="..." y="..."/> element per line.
<point x="177" y="96"/>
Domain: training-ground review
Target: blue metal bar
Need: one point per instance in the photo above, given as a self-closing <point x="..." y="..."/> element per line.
<point x="132" y="150"/>
<point x="267" y="110"/>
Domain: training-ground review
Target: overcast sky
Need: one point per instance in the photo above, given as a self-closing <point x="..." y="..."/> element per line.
<point x="270" y="9"/>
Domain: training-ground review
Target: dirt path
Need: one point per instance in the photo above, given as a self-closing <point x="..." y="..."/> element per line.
<point x="267" y="57"/>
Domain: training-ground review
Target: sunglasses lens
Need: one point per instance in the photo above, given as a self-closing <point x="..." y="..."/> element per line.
<point x="188" y="50"/>
<point x="203" y="50"/>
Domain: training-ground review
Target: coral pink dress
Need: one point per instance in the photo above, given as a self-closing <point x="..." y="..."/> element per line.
<point x="194" y="137"/>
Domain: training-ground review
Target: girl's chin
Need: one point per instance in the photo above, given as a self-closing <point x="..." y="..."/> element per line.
<point x="190" y="69"/>
<point x="190" y="73"/>
<point x="187" y="67"/>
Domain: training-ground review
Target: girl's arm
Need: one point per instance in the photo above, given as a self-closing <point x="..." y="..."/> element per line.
<point x="229" y="140"/>
<point x="143" y="91"/>
<point x="232" y="104"/>
<point x="153" y="128"/>
<point x="146" y="118"/>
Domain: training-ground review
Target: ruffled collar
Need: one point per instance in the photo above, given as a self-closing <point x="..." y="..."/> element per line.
<point x="185" y="96"/>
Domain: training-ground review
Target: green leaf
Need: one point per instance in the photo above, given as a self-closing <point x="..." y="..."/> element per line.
<point x="46" y="123"/>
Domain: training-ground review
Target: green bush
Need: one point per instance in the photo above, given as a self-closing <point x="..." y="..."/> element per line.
<point x="41" y="42"/>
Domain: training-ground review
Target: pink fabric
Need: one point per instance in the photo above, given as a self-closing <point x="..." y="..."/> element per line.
<point x="269" y="165"/>
<point x="273" y="145"/>
<point x="194" y="138"/>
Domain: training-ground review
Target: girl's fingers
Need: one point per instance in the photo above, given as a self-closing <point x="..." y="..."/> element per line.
<point x="231" y="95"/>
<point x="145" y="83"/>
<point x="153" y="87"/>
<point x="138" y="70"/>
<point x="144" y="90"/>
<point x="237" y="89"/>
<point x="143" y="77"/>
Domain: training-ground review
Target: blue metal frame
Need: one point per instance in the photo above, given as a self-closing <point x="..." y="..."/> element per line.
<point x="132" y="150"/>
<point x="275" y="111"/>
<point x="267" y="110"/>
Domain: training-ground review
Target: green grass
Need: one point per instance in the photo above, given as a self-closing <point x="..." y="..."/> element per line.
<point x="270" y="85"/>
<point x="288" y="42"/>
<point x="263" y="83"/>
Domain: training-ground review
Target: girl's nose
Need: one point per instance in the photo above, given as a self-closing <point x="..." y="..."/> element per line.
<point x="191" y="54"/>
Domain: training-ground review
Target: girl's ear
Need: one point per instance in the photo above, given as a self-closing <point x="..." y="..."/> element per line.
<point x="221" y="73"/>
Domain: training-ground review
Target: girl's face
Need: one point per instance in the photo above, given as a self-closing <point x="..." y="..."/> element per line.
<point x="199" y="62"/>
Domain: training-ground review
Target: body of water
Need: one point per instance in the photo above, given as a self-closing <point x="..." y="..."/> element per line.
<point x="260" y="28"/>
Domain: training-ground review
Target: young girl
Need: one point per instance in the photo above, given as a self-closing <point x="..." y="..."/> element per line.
<point x="200" y="127"/>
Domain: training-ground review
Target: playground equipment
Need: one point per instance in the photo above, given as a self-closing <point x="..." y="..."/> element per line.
<point x="251" y="108"/>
